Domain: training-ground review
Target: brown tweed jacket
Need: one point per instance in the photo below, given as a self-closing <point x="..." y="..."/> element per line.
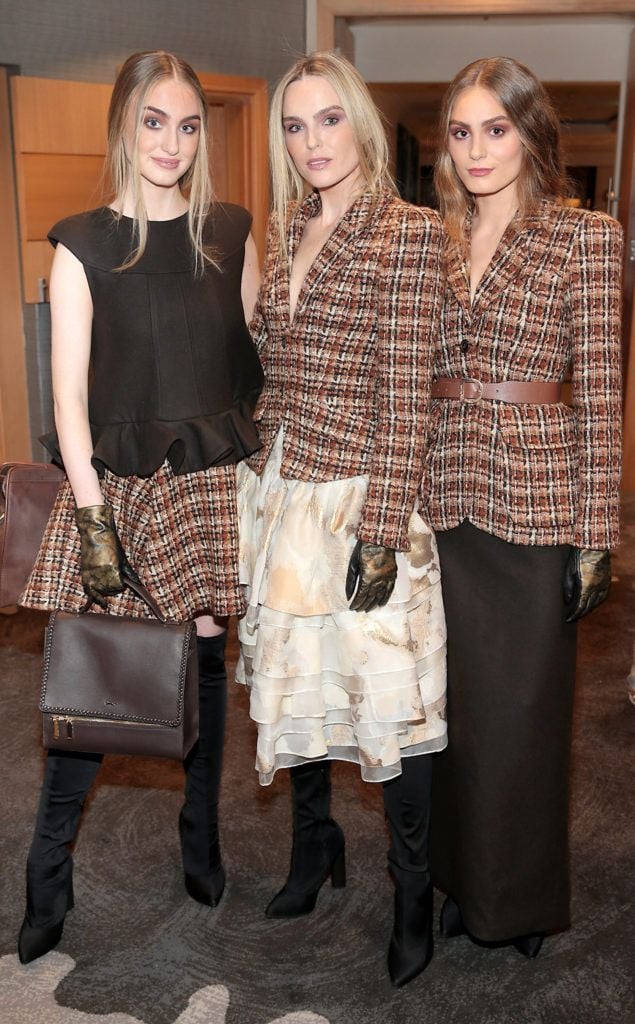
<point x="348" y="380"/>
<point x="549" y="301"/>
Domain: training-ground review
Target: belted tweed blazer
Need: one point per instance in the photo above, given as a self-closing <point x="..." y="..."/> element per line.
<point x="548" y="303"/>
<point x="348" y="379"/>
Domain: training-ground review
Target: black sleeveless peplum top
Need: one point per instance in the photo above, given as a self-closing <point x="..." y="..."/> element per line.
<point x="174" y="373"/>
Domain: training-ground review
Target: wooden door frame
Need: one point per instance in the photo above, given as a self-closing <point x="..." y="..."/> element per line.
<point x="321" y="14"/>
<point x="247" y="138"/>
<point x="15" y="440"/>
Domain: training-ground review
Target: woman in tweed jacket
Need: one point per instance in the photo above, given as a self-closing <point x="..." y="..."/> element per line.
<point x="523" y="493"/>
<point x="343" y="326"/>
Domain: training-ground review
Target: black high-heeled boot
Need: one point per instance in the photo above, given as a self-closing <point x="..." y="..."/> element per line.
<point x="318" y="843"/>
<point x="36" y="942"/>
<point x="407" y="806"/>
<point x="529" y="945"/>
<point x="204" y="874"/>
<point x="450" y="920"/>
<point x="68" y="777"/>
<point x="451" y="925"/>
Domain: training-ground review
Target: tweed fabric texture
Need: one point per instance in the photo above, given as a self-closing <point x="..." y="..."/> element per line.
<point x="548" y="302"/>
<point x="180" y="533"/>
<point x="348" y="378"/>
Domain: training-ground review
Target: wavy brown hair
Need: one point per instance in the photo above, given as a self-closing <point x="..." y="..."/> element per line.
<point x="138" y="76"/>
<point x="529" y="108"/>
<point x="287" y="185"/>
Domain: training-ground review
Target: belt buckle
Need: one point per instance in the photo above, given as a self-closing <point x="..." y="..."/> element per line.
<point x="474" y="398"/>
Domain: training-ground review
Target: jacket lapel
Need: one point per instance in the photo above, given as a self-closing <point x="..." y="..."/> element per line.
<point x="329" y="258"/>
<point x="512" y="255"/>
<point x="456" y="271"/>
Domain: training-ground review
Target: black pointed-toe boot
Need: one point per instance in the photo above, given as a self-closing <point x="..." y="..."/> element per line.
<point x="318" y="843"/>
<point x="529" y="945"/>
<point x="450" y="920"/>
<point x="68" y="777"/>
<point x="204" y="875"/>
<point x="407" y="806"/>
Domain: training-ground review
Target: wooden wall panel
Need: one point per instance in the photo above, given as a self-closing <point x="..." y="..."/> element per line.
<point x="60" y="142"/>
<point x="54" y="116"/>
<point x="56" y="185"/>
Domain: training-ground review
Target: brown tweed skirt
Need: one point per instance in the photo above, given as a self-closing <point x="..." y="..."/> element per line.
<point x="498" y="838"/>
<point x="180" y="534"/>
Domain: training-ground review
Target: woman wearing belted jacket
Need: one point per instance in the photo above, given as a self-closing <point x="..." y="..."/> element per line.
<point x="522" y="491"/>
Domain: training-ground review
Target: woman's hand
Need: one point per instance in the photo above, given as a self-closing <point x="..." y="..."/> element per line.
<point x="587" y="580"/>
<point x="104" y="566"/>
<point x="373" y="568"/>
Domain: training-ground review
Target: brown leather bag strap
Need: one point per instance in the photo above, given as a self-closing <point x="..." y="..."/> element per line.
<point x="146" y="596"/>
<point x="141" y="592"/>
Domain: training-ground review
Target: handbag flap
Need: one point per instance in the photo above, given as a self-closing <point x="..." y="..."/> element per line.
<point x="116" y="667"/>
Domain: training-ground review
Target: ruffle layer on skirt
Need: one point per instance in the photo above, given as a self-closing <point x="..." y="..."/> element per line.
<point x="326" y="682"/>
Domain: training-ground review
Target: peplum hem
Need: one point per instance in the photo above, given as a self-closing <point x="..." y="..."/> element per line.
<point x="189" y="445"/>
<point x="326" y="682"/>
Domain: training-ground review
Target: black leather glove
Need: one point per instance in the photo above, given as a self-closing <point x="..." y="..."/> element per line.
<point x="375" y="567"/>
<point x="103" y="562"/>
<point x="587" y="580"/>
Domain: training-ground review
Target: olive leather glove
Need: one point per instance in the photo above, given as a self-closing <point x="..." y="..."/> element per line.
<point x="375" y="567"/>
<point x="103" y="563"/>
<point x="587" y="580"/>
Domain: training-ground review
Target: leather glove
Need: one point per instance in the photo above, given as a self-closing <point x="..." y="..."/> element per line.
<point x="587" y="579"/>
<point x="103" y="565"/>
<point x="374" y="568"/>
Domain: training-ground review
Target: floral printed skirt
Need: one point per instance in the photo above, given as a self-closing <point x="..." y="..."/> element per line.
<point x="327" y="682"/>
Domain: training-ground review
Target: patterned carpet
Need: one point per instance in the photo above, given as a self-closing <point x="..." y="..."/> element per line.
<point x="137" y="950"/>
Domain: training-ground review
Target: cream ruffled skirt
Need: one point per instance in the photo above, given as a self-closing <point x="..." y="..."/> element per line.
<point x="326" y="682"/>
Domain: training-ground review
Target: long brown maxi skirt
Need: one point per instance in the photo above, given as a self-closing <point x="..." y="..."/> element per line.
<point x="500" y="790"/>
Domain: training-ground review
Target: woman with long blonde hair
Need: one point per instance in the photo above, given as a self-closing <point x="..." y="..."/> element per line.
<point x="343" y="641"/>
<point x="154" y="379"/>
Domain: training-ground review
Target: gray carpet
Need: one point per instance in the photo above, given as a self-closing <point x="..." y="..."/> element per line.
<point x="138" y="950"/>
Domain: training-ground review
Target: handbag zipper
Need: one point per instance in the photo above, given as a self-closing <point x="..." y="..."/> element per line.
<point x="60" y="720"/>
<point x="57" y="720"/>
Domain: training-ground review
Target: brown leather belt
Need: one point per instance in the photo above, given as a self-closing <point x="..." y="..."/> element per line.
<point x="468" y="389"/>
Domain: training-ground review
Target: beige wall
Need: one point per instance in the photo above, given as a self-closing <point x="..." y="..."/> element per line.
<point x="433" y="49"/>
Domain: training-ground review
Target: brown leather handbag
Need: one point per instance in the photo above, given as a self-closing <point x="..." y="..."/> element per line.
<point x="113" y="684"/>
<point x="27" y="493"/>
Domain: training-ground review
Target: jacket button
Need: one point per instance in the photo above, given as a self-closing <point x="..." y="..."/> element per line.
<point x="465" y="346"/>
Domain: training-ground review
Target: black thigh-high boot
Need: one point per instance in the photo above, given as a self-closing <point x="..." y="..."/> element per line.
<point x="49" y="871"/>
<point x="198" y="821"/>
<point x="318" y="842"/>
<point x="407" y="805"/>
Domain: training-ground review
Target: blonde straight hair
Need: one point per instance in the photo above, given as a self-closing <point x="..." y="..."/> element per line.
<point x="528" y="106"/>
<point x="138" y="76"/>
<point x="288" y="187"/>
